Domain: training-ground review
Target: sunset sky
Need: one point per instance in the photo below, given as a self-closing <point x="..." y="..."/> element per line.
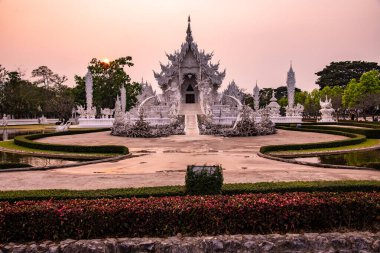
<point x="253" y="39"/>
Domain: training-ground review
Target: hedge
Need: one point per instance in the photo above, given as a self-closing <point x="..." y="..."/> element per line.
<point x="369" y="133"/>
<point x="28" y="141"/>
<point x="13" y="165"/>
<point x="354" y="139"/>
<point x="188" y="215"/>
<point x="227" y="189"/>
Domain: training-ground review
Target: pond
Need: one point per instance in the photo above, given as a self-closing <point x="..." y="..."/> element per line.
<point x="370" y="159"/>
<point x="8" y="134"/>
<point x="33" y="160"/>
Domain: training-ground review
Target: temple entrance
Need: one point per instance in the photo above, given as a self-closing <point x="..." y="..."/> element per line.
<point x="190" y="98"/>
<point x="189" y="89"/>
<point x="190" y="95"/>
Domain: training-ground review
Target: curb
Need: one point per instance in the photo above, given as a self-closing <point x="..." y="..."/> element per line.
<point x="321" y="165"/>
<point x="112" y="159"/>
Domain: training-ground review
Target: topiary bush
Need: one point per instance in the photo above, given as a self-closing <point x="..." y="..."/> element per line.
<point x="204" y="180"/>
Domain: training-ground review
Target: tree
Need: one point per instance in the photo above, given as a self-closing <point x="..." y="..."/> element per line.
<point x="47" y="77"/>
<point x="311" y="104"/>
<point x="20" y="97"/>
<point x="108" y="78"/>
<point x="341" y="73"/>
<point x="363" y="96"/>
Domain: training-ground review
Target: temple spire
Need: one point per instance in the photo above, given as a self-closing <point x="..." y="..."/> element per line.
<point x="189" y="37"/>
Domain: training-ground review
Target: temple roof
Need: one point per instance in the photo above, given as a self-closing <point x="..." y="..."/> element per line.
<point x="170" y="70"/>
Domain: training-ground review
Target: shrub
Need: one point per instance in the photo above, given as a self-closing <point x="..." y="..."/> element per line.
<point x="28" y="141"/>
<point x="204" y="180"/>
<point x="161" y="191"/>
<point x="189" y="215"/>
<point x="354" y="139"/>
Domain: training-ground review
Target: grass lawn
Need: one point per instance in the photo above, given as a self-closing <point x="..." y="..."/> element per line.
<point x="11" y="146"/>
<point x="367" y="144"/>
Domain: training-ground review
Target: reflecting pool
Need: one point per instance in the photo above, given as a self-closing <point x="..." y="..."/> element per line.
<point x="370" y="159"/>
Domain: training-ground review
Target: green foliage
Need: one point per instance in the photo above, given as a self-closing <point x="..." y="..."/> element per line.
<point x="341" y="73"/>
<point x="28" y="141"/>
<point x="161" y="191"/>
<point x="24" y="99"/>
<point x="107" y="81"/>
<point x="365" y="94"/>
<point x="47" y="77"/>
<point x="207" y="180"/>
<point x="13" y="165"/>
<point x="311" y="104"/>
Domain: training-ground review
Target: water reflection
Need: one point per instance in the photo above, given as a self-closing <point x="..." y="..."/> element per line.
<point x="8" y="134"/>
<point x="32" y="160"/>
<point x="370" y="159"/>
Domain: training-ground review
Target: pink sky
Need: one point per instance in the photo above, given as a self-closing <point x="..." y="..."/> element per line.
<point x="253" y="39"/>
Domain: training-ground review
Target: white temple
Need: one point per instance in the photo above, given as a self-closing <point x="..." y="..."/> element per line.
<point x="189" y="84"/>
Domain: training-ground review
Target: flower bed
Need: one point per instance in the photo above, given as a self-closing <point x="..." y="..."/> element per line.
<point x="166" y="216"/>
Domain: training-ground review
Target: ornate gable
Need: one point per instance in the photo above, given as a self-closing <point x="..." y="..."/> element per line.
<point x="189" y="57"/>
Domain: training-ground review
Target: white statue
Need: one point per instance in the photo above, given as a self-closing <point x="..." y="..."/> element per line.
<point x="174" y="97"/>
<point x="326" y="110"/>
<point x="63" y="127"/>
<point x="106" y="113"/>
<point x="4" y="122"/>
<point x="42" y="120"/>
<point x="81" y="111"/>
<point x="205" y="97"/>
<point x="123" y="97"/>
<point x="89" y="90"/>
<point x="274" y="107"/>
<point x="119" y="115"/>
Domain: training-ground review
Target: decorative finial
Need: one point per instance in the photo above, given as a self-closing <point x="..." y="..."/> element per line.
<point x="189" y="37"/>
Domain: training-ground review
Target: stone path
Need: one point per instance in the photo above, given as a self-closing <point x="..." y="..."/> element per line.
<point x="163" y="161"/>
<point x="191" y="125"/>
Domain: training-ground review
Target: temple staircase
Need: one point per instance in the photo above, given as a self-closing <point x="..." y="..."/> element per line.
<point x="191" y="122"/>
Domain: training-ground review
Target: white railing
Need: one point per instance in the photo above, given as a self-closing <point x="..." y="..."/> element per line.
<point x="19" y="122"/>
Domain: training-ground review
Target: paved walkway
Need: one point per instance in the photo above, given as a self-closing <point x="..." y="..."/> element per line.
<point x="162" y="161"/>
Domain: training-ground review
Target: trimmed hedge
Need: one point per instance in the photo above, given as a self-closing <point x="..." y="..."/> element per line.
<point x="28" y="141"/>
<point x="188" y="215"/>
<point x="227" y="189"/>
<point x="369" y="133"/>
<point x="354" y="139"/>
<point x="13" y="165"/>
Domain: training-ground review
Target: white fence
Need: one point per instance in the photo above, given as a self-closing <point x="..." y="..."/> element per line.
<point x="18" y="122"/>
